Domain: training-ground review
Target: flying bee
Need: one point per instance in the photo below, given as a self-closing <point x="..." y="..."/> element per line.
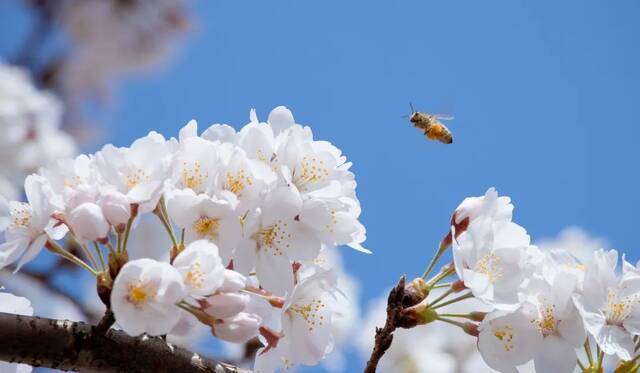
<point x="431" y="125"/>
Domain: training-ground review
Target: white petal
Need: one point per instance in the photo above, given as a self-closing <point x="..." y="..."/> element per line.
<point x="555" y="356"/>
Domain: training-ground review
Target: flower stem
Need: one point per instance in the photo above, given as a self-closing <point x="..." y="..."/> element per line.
<point x="582" y="368"/>
<point x="89" y="255"/>
<point x="459" y="315"/>
<point x="161" y="212"/>
<point x="449" y="321"/>
<point x="454" y="300"/>
<point x="445" y="272"/>
<point x="99" y="252"/>
<point x="127" y="231"/>
<point x="441" y="249"/>
<point x="441" y="297"/>
<point x="440" y="286"/>
<point x="57" y="249"/>
<point x="587" y="350"/>
<point x="600" y="358"/>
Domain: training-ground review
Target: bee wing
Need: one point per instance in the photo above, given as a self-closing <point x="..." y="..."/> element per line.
<point x="443" y="116"/>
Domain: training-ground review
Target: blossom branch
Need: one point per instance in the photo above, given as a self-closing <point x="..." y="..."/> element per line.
<point x="76" y="346"/>
<point x="384" y="335"/>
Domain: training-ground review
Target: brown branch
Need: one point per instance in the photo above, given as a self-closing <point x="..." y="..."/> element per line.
<point x="76" y="346"/>
<point x="384" y="335"/>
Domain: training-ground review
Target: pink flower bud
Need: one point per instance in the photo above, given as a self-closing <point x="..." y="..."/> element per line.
<point x="238" y="329"/>
<point x="225" y="305"/>
<point x="115" y="207"/>
<point x="233" y="281"/>
<point x="471" y="329"/>
<point x="88" y="223"/>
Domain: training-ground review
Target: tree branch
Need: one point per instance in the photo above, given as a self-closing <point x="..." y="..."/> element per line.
<point x="384" y="336"/>
<point x="77" y="346"/>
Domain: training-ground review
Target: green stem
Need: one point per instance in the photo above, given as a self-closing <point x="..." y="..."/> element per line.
<point x="441" y="249"/>
<point x="600" y="358"/>
<point x="441" y="297"/>
<point x="587" y="350"/>
<point x="452" y="322"/>
<point x="444" y="273"/>
<point x="454" y="300"/>
<point x="127" y="231"/>
<point x="440" y="286"/>
<point x="55" y="248"/>
<point x="582" y="368"/>
<point x="99" y="252"/>
<point x="89" y="255"/>
<point x="459" y="315"/>
<point x="161" y="212"/>
<point x="182" y="236"/>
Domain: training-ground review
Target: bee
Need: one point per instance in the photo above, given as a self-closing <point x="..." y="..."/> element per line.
<point x="431" y="125"/>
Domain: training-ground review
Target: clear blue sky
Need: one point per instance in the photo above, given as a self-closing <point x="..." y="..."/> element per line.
<point x="545" y="96"/>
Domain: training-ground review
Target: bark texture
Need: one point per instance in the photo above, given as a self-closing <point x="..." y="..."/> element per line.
<point x="384" y="335"/>
<point x="81" y="347"/>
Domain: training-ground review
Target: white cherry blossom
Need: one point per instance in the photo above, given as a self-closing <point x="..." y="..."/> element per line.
<point x="201" y="268"/>
<point x="609" y="304"/>
<point x="306" y="325"/>
<point x="139" y="171"/>
<point x="489" y="258"/>
<point x="497" y="208"/>
<point x="145" y="296"/>
<point x="27" y="225"/>
<point x="204" y="217"/>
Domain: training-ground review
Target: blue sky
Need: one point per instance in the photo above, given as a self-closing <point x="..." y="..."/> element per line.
<point x="544" y="95"/>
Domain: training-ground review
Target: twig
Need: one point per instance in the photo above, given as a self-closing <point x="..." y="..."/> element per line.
<point x="76" y="346"/>
<point x="384" y="335"/>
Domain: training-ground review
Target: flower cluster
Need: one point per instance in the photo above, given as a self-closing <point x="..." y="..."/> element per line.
<point x="30" y="123"/>
<point x="545" y="304"/>
<point x="248" y="213"/>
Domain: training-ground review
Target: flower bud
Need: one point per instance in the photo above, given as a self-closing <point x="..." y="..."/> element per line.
<point x="233" y="281"/>
<point x="415" y="292"/>
<point x="477" y="316"/>
<point x="88" y="223"/>
<point x="238" y="329"/>
<point x="225" y="305"/>
<point x="457" y="286"/>
<point x="115" y="207"/>
<point x="419" y="314"/>
<point x="471" y="329"/>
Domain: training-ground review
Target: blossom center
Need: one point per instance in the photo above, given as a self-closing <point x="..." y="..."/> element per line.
<point x="195" y="277"/>
<point x="489" y="265"/>
<point x="309" y="313"/>
<point x="71" y="182"/>
<point x="274" y="236"/>
<point x="547" y="323"/>
<point x="192" y="175"/>
<point x="236" y="183"/>
<point x="141" y="293"/>
<point x="505" y="335"/>
<point x="313" y="170"/>
<point x="207" y="226"/>
<point x="134" y="177"/>
<point x="21" y="215"/>
<point x="618" y="308"/>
